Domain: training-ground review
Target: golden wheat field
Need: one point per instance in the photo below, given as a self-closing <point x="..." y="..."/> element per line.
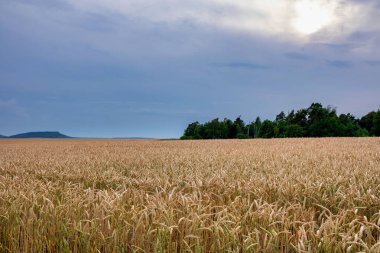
<point x="280" y="195"/>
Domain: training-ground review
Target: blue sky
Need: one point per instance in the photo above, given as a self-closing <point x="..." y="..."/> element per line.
<point x="96" y="68"/>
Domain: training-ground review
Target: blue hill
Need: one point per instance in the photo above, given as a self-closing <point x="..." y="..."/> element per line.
<point x="40" y="135"/>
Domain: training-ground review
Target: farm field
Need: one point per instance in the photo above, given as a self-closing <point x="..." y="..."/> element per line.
<point x="278" y="195"/>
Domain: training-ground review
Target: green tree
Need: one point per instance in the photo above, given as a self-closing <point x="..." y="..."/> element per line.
<point x="257" y="127"/>
<point x="349" y="125"/>
<point x="267" y="129"/>
<point x="230" y="129"/>
<point x="215" y="129"/>
<point x="375" y="130"/>
<point x="300" y="118"/>
<point x="294" y="130"/>
<point x="314" y="121"/>
<point x="280" y="127"/>
<point x="322" y="122"/>
<point x="367" y="121"/>
<point x="239" y="127"/>
<point x="193" y="131"/>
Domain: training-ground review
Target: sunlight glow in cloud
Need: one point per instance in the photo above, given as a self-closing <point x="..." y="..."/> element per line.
<point x="311" y="16"/>
<point x="286" y="18"/>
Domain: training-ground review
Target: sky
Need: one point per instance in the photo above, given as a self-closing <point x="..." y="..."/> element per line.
<point x="144" y="68"/>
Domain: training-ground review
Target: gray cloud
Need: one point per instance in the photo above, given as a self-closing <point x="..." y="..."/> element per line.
<point x="373" y="63"/>
<point x="338" y="47"/>
<point x="241" y="65"/>
<point x="11" y="108"/>
<point x="339" y="63"/>
<point x="297" y="56"/>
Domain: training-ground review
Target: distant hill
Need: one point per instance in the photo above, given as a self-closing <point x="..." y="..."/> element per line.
<point x="2" y="136"/>
<point x="40" y="135"/>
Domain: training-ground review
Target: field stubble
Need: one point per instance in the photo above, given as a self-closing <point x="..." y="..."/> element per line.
<point x="282" y="195"/>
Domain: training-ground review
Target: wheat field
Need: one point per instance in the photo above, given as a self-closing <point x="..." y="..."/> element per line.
<point x="280" y="195"/>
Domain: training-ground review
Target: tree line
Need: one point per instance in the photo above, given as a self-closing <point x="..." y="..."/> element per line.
<point x="315" y="121"/>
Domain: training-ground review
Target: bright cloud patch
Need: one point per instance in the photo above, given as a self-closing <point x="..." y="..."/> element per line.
<point x="270" y="17"/>
<point x="312" y="16"/>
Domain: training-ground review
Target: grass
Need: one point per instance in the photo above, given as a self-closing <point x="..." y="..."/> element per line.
<point x="282" y="195"/>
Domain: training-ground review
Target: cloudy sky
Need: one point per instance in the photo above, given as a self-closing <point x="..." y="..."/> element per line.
<point x="109" y="68"/>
